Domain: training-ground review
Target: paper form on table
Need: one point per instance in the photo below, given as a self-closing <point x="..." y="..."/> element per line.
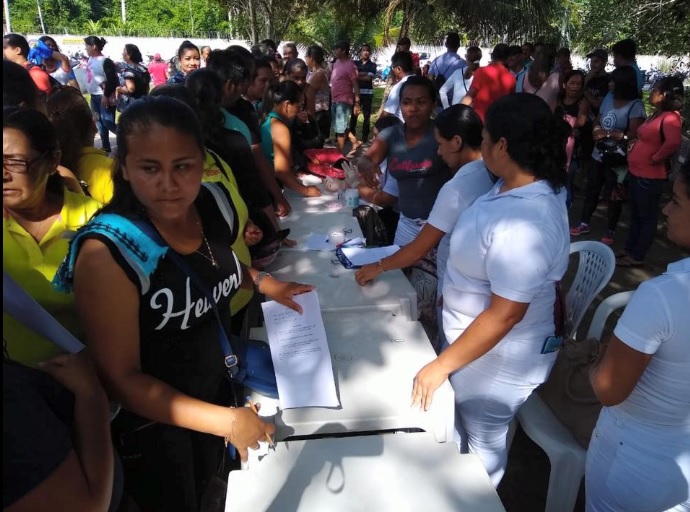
<point x="300" y="353"/>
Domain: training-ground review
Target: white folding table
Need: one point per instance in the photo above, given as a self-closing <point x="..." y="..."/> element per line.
<point x="375" y="356"/>
<point x="381" y="473"/>
<point x="337" y="288"/>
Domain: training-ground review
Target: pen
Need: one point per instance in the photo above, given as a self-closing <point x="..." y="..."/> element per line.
<point x="256" y="411"/>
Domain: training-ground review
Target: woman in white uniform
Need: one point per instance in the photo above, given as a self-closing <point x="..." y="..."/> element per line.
<point x="639" y="456"/>
<point x="507" y="252"/>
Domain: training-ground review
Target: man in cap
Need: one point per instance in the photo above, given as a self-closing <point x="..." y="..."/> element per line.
<point x="157" y="69"/>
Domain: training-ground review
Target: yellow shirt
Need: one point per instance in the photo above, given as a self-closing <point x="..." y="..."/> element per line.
<point x="95" y="168"/>
<point x="33" y="265"/>
<point x="213" y="174"/>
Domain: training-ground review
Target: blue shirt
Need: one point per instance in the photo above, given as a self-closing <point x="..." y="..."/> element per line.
<point x="446" y="64"/>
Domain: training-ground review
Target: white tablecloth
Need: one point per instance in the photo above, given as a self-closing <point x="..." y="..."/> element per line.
<point x="384" y="473"/>
<point x="375" y="356"/>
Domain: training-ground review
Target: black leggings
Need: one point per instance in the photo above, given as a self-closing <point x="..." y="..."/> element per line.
<point x="366" y="101"/>
<point x="601" y="180"/>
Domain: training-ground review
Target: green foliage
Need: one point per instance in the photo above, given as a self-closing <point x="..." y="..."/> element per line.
<point x="327" y="26"/>
<point x="658" y="26"/>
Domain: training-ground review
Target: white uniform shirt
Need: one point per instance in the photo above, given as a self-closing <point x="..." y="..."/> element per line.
<point x="514" y="244"/>
<point x="657" y="321"/>
<point x="459" y="85"/>
<point x="392" y="105"/>
<point x="470" y="182"/>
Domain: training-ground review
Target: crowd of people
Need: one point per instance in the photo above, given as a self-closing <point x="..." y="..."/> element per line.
<point x="144" y="251"/>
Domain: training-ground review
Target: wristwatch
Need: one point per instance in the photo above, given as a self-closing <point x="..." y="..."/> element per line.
<point x="260" y="277"/>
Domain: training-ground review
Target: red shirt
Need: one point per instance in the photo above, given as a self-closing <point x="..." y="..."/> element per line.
<point x="648" y="155"/>
<point x="490" y="83"/>
<point x="40" y="77"/>
<point x="157" y="70"/>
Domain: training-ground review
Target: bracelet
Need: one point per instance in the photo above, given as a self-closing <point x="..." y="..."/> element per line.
<point x="381" y="267"/>
<point x="260" y="277"/>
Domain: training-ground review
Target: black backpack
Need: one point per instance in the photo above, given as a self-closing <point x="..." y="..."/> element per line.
<point x="440" y="79"/>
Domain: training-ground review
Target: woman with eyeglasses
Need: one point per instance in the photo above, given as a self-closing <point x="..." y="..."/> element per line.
<point x="39" y="213"/>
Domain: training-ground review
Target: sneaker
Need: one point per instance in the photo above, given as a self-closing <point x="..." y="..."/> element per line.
<point x="608" y="237"/>
<point x="580" y="229"/>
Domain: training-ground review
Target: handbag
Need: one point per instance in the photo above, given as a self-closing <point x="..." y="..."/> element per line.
<point x="248" y="362"/>
<point x="568" y="391"/>
<point x="614" y="153"/>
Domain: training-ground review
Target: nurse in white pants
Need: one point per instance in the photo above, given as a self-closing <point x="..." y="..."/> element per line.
<point x="639" y="456"/>
<point x="507" y="252"/>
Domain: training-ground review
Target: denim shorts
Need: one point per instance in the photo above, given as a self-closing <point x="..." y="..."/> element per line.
<point x="341" y="113"/>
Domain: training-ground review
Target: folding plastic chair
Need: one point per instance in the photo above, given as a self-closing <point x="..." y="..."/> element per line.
<point x="567" y="457"/>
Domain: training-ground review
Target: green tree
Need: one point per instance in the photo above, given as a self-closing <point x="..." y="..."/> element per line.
<point x="658" y="26"/>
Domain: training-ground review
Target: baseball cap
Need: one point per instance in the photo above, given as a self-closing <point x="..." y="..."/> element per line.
<point x="157" y="56"/>
<point x="599" y="53"/>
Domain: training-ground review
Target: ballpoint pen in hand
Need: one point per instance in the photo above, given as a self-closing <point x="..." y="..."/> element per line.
<point x="256" y="411"/>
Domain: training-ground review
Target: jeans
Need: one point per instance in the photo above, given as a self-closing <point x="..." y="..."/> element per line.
<point x="105" y="120"/>
<point x="340" y="114"/>
<point x="365" y="103"/>
<point x="601" y="178"/>
<point x="644" y="195"/>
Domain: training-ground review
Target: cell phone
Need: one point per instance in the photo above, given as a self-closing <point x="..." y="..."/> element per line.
<point x="552" y="344"/>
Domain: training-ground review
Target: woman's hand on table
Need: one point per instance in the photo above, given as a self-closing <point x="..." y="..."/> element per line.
<point x="367" y="273"/>
<point x="282" y="292"/>
<point x="246" y="430"/>
<point x="369" y="172"/>
<point x="426" y="382"/>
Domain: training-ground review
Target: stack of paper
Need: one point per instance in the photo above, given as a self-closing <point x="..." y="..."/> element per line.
<point x="300" y="353"/>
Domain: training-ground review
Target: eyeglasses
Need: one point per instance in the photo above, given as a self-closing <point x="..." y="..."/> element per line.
<point x="19" y="165"/>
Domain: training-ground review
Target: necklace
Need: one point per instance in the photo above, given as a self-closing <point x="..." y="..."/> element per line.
<point x="210" y="256"/>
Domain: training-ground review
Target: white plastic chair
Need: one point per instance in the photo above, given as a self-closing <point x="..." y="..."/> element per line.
<point x="595" y="268"/>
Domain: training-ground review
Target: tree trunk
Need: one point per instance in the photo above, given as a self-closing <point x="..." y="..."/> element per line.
<point x="252" y="21"/>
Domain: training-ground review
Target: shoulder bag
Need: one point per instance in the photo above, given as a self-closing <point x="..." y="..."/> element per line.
<point x="248" y="362"/>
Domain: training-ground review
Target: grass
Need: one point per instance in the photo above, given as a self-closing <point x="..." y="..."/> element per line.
<point x="376" y="104"/>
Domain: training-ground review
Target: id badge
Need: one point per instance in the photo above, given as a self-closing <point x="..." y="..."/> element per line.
<point x="552" y="344"/>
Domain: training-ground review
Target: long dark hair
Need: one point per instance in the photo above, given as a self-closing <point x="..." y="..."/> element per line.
<point x="139" y="117"/>
<point x="287" y="90"/>
<point x="18" y="88"/>
<point x="624" y="81"/>
<point x="536" y="139"/>
<point x="207" y="89"/>
<point x="672" y="89"/>
<point x="41" y="135"/>
<point x="463" y="121"/>
<point x="111" y="77"/>
<point x="540" y="69"/>
<point x="72" y="119"/>
<point x="315" y="53"/>
<point x="96" y="41"/>
<point x="134" y="53"/>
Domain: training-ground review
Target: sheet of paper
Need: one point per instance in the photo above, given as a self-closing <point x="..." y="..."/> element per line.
<point x="364" y="256"/>
<point x="300" y="353"/>
<point x="318" y="242"/>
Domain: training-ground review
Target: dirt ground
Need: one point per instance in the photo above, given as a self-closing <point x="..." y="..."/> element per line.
<point x="524" y="485"/>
